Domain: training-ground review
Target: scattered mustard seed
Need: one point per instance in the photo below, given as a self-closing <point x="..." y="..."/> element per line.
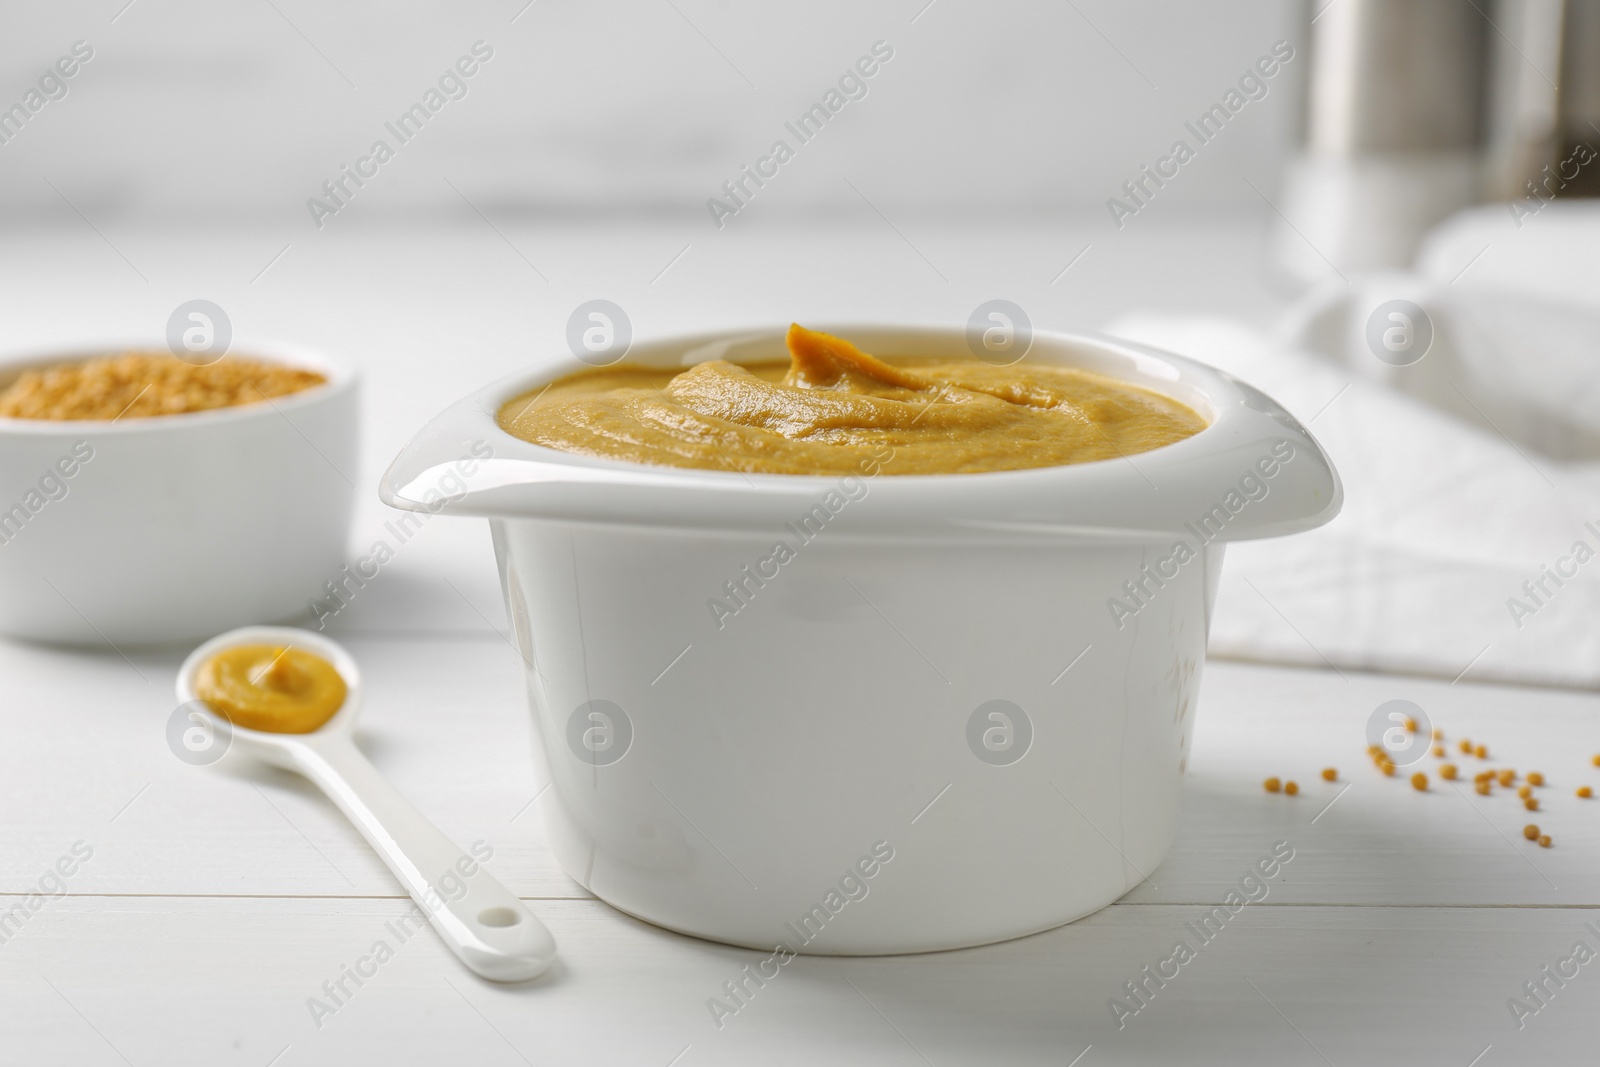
<point x="1482" y="751"/>
<point x="1330" y="774"/>
<point x="1272" y="785"/>
<point x="1447" y="771"/>
<point x="1290" y="787"/>
<point x="1532" y="803"/>
<point x="1419" y="782"/>
<point x="1585" y="792"/>
<point x="1531" y="831"/>
<point x="1525" y="792"/>
<point x="1544" y="840"/>
<point x="1535" y="778"/>
<point x="1466" y="746"/>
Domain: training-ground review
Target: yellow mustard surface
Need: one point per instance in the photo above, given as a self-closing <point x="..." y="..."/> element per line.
<point x="833" y="409"/>
<point x="271" y="688"/>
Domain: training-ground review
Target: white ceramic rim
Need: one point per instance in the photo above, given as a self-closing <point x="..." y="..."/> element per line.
<point x="1100" y="498"/>
<point x="341" y="378"/>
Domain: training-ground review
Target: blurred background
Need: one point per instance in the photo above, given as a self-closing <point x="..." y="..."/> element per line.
<point x="1337" y="156"/>
<point x="192" y="112"/>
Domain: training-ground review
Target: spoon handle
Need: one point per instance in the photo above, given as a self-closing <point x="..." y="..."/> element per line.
<point x="481" y="921"/>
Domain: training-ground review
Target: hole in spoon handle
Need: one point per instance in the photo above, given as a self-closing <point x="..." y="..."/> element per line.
<point x="480" y="920"/>
<point x="498" y="917"/>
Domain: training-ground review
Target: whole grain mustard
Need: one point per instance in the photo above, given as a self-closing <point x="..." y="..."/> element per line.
<point x="137" y="385"/>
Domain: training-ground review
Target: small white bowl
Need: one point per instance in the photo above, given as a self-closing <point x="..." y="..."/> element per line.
<point x="175" y="527"/>
<point x="927" y="730"/>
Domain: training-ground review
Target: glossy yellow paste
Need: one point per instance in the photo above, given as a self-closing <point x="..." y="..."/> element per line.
<point x="272" y="688"/>
<point x="832" y="407"/>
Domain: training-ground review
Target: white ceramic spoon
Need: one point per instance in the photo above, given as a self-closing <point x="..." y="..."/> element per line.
<point x="484" y="924"/>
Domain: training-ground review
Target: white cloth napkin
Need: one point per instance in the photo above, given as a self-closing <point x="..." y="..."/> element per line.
<point x="1444" y="522"/>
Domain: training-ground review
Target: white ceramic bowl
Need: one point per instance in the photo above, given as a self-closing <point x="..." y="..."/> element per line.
<point x="176" y="527"/>
<point x="926" y="730"/>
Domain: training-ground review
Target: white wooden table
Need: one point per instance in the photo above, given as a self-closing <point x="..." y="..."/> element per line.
<point x="216" y="902"/>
